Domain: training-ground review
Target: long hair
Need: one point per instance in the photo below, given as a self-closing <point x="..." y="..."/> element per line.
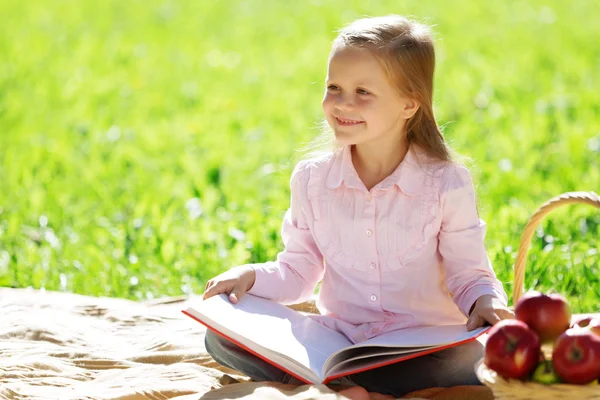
<point x="406" y="52"/>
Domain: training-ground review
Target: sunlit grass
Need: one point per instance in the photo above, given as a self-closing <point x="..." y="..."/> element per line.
<point x="147" y="145"/>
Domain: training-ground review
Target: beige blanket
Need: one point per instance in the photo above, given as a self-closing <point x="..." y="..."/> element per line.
<point x="66" y="346"/>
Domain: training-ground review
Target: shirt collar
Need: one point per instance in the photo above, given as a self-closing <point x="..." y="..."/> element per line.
<point x="408" y="176"/>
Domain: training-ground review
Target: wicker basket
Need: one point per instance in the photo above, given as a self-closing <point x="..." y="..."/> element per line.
<point x="516" y="389"/>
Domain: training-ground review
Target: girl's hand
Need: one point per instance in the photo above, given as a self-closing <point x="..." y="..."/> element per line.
<point x="488" y="309"/>
<point x="234" y="282"/>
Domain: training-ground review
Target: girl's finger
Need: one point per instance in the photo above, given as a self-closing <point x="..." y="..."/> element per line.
<point x="207" y="294"/>
<point x="207" y="289"/>
<point x="236" y="294"/>
<point x="492" y="317"/>
<point x="216" y="288"/>
<point x="505" y="314"/>
<point x="474" y="322"/>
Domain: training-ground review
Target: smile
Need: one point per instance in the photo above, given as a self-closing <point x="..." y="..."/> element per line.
<point x="348" y="122"/>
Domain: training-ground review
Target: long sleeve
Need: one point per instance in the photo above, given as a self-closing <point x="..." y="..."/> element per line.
<point x="469" y="273"/>
<point x="299" y="267"/>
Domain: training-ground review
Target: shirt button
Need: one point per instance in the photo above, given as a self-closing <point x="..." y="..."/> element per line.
<point x="373" y="297"/>
<point x="369" y="197"/>
<point x="369" y="232"/>
<point x="372" y="266"/>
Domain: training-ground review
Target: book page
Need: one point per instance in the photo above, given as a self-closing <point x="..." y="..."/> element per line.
<point x="264" y="324"/>
<point x="348" y="367"/>
<point x="342" y="358"/>
<point x="402" y="341"/>
<point x="423" y="336"/>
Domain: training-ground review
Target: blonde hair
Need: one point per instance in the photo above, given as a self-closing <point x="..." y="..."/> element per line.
<point x="406" y="52"/>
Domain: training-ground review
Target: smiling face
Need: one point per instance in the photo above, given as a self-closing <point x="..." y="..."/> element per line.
<point x="360" y="102"/>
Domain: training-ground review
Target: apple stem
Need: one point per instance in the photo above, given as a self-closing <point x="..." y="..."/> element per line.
<point x="577" y="356"/>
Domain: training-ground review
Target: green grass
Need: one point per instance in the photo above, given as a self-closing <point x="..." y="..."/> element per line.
<point x="115" y="115"/>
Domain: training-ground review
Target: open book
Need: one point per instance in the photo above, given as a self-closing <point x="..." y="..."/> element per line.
<point x="311" y="352"/>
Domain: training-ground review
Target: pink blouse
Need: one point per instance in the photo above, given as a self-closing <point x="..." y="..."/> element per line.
<point x="408" y="252"/>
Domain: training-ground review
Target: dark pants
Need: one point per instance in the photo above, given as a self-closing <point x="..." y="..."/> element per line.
<point x="445" y="368"/>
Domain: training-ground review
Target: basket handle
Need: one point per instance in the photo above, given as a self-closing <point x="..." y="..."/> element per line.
<point x="590" y="198"/>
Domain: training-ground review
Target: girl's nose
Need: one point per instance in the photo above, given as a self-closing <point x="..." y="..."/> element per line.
<point x="345" y="103"/>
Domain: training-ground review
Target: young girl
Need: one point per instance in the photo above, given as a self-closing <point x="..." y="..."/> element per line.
<point x="387" y="221"/>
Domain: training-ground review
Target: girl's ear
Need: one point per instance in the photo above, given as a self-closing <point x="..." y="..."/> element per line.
<point x="411" y="106"/>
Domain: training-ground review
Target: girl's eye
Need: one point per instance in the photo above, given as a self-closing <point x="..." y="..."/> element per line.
<point x="334" y="88"/>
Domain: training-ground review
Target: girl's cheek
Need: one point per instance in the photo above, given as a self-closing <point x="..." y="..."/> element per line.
<point x="327" y="102"/>
<point x="364" y="103"/>
<point x="363" y="106"/>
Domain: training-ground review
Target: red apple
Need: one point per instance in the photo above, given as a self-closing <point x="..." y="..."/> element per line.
<point x="576" y="356"/>
<point x="546" y="315"/>
<point x="594" y="326"/>
<point x="512" y="349"/>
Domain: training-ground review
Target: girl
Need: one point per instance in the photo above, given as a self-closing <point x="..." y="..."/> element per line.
<point x="387" y="221"/>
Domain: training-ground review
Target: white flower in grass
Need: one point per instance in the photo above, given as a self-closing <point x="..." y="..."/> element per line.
<point x="194" y="207"/>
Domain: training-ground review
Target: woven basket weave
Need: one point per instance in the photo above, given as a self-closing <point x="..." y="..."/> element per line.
<point x="516" y="389"/>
